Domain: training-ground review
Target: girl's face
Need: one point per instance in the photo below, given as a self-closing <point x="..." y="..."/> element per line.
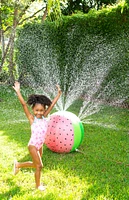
<point x="38" y="110"/>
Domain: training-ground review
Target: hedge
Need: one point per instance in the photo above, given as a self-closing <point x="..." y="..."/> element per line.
<point x="93" y="48"/>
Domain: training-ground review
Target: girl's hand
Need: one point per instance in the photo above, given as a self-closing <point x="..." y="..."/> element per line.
<point x="16" y="86"/>
<point x="59" y="90"/>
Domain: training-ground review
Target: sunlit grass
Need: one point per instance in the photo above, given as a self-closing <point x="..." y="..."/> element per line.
<point x="100" y="172"/>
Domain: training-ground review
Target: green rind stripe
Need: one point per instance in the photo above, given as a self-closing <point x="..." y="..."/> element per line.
<point x="78" y="135"/>
<point x="82" y="131"/>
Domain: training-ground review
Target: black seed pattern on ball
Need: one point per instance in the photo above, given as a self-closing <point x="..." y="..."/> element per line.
<point x="62" y="134"/>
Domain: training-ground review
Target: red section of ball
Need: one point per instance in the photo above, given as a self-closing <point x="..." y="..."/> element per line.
<point x="60" y="134"/>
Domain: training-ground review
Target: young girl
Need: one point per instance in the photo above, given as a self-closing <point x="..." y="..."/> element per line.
<point x="41" y="107"/>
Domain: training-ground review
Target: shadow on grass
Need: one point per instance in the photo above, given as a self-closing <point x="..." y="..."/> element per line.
<point x="14" y="190"/>
<point x="17" y="132"/>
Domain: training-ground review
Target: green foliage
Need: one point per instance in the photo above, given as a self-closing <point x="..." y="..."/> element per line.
<point x="54" y="11"/>
<point x="84" y="6"/>
<point x="7" y="12"/>
<point x="4" y="76"/>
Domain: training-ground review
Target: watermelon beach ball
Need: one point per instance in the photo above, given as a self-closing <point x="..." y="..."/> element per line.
<point x="65" y="132"/>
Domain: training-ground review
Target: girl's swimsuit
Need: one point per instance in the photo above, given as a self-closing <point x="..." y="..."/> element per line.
<point x="38" y="132"/>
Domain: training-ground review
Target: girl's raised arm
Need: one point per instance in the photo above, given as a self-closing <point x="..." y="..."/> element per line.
<point x="53" y="102"/>
<point x="16" y="87"/>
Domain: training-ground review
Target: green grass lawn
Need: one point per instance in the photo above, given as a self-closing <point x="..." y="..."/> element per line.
<point x="101" y="172"/>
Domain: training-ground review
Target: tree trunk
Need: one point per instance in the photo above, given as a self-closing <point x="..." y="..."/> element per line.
<point x="5" y="52"/>
<point x="2" y="42"/>
<point x="11" y="52"/>
<point x="44" y="15"/>
<point x="11" y="60"/>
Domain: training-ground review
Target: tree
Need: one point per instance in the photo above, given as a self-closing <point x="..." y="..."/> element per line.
<point x="84" y="6"/>
<point x="13" y="15"/>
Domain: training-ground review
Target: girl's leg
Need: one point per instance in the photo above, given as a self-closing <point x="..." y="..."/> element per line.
<point x="41" y="151"/>
<point x="37" y="163"/>
<point x="28" y="163"/>
<point x="18" y="165"/>
<point x="24" y="164"/>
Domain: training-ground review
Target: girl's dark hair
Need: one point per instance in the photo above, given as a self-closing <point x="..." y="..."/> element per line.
<point x="41" y="99"/>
